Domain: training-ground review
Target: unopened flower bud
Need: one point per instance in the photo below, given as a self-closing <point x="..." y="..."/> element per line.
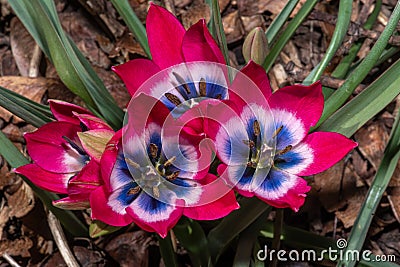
<point x="255" y="46"/>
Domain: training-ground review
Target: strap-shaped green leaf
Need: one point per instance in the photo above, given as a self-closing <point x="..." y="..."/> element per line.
<point x="279" y="21"/>
<point x="343" y="22"/>
<point x="348" y="119"/>
<point x="28" y="110"/>
<point x="336" y="100"/>
<point x="233" y="224"/>
<point x="132" y="21"/>
<point x="288" y="32"/>
<point x="41" y="20"/>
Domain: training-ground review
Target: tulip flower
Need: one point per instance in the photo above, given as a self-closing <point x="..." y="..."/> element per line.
<point x="66" y="154"/>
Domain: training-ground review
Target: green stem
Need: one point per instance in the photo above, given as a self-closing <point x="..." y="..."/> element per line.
<point x="219" y="29"/>
<point x="382" y="178"/>
<point x="339" y="97"/>
<point x="343" y="21"/>
<point x="279" y="21"/>
<point x="288" y="32"/>
<point x="134" y="24"/>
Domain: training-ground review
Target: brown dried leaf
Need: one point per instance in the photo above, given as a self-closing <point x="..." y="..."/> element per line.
<point x="130" y="249"/>
<point x="197" y="11"/>
<point x="18" y="247"/>
<point x="372" y="141"/>
<point x="84" y="34"/>
<point x="13" y="133"/>
<point x="21" y="45"/>
<point x="349" y="215"/>
<point x="233" y="27"/>
<point x="335" y="186"/>
<point x="84" y="256"/>
<point x="7" y="63"/>
<point x="252" y="22"/>
<point x="32" y="88"/>
<point x="21" y="202"/>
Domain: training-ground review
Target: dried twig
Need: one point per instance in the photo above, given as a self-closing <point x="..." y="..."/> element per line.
<point x="60" y="240"/>
<point x="35" y="62"/>
<point x="10" y="260"/>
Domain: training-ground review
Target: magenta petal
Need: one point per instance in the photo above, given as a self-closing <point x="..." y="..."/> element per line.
<point x="199" y="45"/>
<point x="92" y="122"/>
<point x="216" y="209"/>
<point x="102" y="211"/>
<point x="165" y="34"/>
<point x="143" y="212"/>
<point x="135" y="72"/>
<point x="50" y="151"/>
<point x="258" y="75"/>
<point x="328" y="148"/>
<point x="304" y="102"/>
<point x="109" y="157"/>
<point x="294" y="197"/>
<point x="54" y="182"/>
<point x="64" y="111"/>
<point x="87" y="180"/>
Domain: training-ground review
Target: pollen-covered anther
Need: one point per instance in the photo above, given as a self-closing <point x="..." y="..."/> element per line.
<point x="170" y="161"/>
<point x="134" y="191"/>
<point x="173" y="99"/>
<point x="252" y="164"/>
<point x="249" y="143"/>
<point x="285" y="150"/>
<point x="132" y="163"/>
<point x="153" y="150"/>
<point x="256" y="128"/>
<point x="277" y="131"/>
<point x="173" y="176"/>
<point x="202" y="87"/>
<point x="156" y="191"/>
<point x="182" y="82"/>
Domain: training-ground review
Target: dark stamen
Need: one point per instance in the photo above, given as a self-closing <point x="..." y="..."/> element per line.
<point x="252" y="164"/>
<point x="173" y="99"/>
<point x="285" y="150"/>
<point x="182" y="82"/>
<point x="172" y="176"/>
<point x="74" y="146"/>
<point x="153" y="150"/>
<point x="219" y="97"/>
<point x="170" y="161"/>
<point x="256" y="128"/>
<point x="202" y="87"/>
<point x="277" y="131"/>
<point x="156" y="191"/>
<point x="249" y="143"/>
<point x="133" y="191"/>
<point x="132" y="163"/>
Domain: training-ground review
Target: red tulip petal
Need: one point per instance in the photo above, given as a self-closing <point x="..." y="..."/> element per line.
<point x="327" y="148"/>
<point x="304" y="102"/>
<point x="135" y="72"/>
<point x="64" y="111"/>
<point x="50" y="150"/>
<point x="199" y="45"/>
<point x="165" y="34"/>
<point x="102" y="211"/>
<point x="54" y="182"/>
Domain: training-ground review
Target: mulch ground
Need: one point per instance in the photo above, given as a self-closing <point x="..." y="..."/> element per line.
<point x="99" y="32"/>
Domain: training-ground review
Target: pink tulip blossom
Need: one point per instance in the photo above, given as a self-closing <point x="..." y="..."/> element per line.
<point x="64" y="159"/>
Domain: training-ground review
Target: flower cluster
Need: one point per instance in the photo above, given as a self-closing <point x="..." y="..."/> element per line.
<point x="161" y="164"/>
